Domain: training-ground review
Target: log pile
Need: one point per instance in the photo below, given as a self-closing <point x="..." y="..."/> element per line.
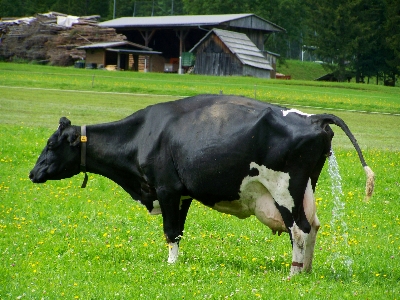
<point x="49" y="38"/>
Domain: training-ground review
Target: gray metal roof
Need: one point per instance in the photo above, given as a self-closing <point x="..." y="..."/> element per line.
<point x="113" y="44"/>
<point x="133" y="51"/>
<point x="240" y="45"/>
<point x="235" y="20"/>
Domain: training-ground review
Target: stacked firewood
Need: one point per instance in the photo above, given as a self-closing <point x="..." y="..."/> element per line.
<point x="44" y="38"/>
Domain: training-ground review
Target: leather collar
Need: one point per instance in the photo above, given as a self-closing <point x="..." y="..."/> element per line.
<point x="83" y="154"/>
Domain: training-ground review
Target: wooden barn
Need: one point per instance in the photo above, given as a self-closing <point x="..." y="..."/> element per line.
<point x="223" y="52"/>
<point x="123" y="56"/>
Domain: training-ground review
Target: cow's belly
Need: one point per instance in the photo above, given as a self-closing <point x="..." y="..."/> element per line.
<point x="255" y="200"/>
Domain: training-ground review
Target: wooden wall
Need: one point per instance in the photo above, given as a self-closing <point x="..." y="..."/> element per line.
<point x="220" y="64"/>
<point x="256" y="72"/>
<point x="96" y="56"/>
<point x="155" y="63"/>
<point x="214" y="58"/>
<point x="253" y="22"/>
<point x="272" y="60"/>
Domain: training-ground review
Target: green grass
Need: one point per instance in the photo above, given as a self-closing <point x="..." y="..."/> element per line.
<point x="58" y="241"/>
<point x="301" y="70"/>
<point x="353" y="96"/>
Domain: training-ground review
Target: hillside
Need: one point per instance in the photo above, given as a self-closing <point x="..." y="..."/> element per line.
<point x="301" y="70"/>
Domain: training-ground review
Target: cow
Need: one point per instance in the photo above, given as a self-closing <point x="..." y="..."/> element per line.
<point x="233" y="154"/>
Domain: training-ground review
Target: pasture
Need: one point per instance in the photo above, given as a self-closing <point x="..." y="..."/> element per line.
<point x="58" y="241"/>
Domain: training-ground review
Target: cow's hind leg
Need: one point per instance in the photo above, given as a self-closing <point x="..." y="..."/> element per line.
<point x="299" y="242"/>
<point x="309" y="254"/>
<point x="298" y="237"/>
<point x="303" y="233"/>
<point x="303" y="247"/>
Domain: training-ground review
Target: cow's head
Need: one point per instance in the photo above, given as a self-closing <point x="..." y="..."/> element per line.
<point x="61" y="156"/>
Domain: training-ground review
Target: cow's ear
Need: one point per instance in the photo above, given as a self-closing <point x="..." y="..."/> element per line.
<point x="75" y="139"/>
<point x="73" y="136"/>
<point x="64" y="123"/>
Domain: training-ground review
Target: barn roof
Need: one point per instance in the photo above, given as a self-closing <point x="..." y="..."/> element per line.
<point x="241" y="46"/>
<point x="235" y="20"/>
<point x="114" y="44"/>
<point x="122" y="47"/>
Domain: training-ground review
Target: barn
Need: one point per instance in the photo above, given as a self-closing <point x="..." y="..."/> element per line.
<point x="222" y="52"/>
<point x="174" y="36"/>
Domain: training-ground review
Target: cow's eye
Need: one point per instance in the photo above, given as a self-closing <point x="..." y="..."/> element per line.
<point x="50" y="144"/>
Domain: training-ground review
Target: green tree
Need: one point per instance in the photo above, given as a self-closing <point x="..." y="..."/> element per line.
<point x="356" y="36"/>
<point x="12" y="8"/>
<point x="200" y="7"/>
<point x="392" y="36"/>
<point x="368" y="45"/>
<point x="144" y="8"/>
<point x="82" y="7"/>
<point x="334" y="28"/>
<point x="291" y="15"/>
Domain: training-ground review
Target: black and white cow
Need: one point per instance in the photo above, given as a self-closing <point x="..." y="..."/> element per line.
<point x="236" y="155"/>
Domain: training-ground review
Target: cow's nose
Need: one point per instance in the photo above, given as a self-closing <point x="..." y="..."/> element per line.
<point x="31" y="176"/>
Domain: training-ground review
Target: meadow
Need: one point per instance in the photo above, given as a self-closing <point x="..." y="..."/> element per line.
<point x="58" y="241"/>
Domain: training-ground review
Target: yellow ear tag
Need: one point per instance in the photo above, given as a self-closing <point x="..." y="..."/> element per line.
<point x="83" y="139"/>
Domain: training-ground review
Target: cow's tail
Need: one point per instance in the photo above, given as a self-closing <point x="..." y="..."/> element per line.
<point x="325" y="119"/>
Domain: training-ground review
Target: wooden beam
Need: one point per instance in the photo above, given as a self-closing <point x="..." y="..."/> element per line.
<point x="119" y="62"/>
<point x="182" y="36"/>
<point x="147" y="35"/>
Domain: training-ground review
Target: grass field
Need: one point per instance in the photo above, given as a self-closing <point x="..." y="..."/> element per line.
<point x="348" y="96"/>
<point x="300" y="70"/>
<point x="58" y="241"/>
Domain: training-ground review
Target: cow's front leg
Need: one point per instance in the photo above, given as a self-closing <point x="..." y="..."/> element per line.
<point x="174" y="246"/>
<point x="172" y="229"/>
<point x="173" y="252"/>
<point x="174" y="215"/>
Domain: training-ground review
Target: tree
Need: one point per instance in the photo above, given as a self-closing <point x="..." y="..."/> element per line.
<point x="81" y="7"/>
<point x="200" y="7"/>
<point x="334" y="29"/>
<point x="368" y="46"/>
<point x="291" y="15"/>
<point x="147" y="8"/>
<point x="392" y="36"/>
<point x="21" y="8"/>
<point x="356" y="36"/>
<point x="12" y="8"/>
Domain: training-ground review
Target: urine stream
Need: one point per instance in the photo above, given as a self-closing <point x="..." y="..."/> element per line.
<point x="341" y="264"/>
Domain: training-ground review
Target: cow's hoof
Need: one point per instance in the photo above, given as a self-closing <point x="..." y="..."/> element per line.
<point x="294" y="270"/>
<point x="172" y="260"/>
<point x="173" y="252"/>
